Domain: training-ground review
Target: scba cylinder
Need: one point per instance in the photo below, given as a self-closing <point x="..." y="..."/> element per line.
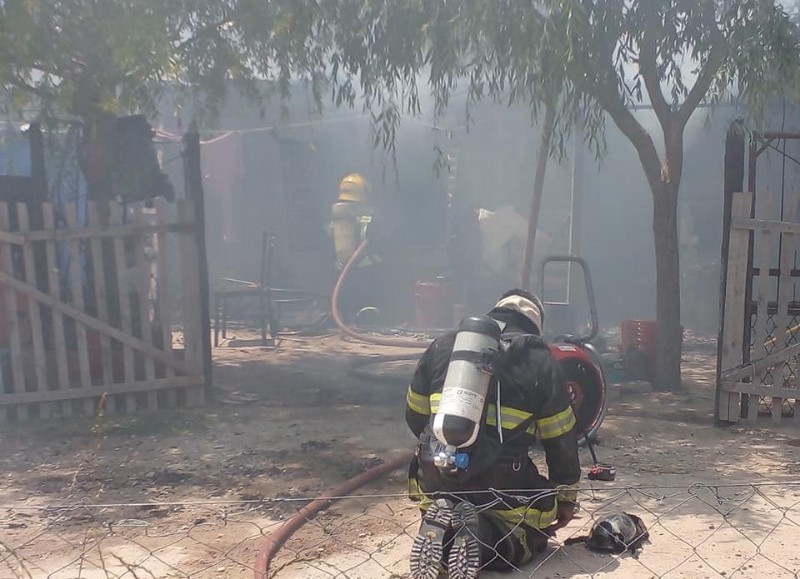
<point x="345" y="230"/>
<point x="458" y="418"/>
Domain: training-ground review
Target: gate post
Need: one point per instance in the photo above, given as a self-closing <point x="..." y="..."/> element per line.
<point x="38" y="173"/>
<point x="193" y="179"/>
<point x="726" y="406"/>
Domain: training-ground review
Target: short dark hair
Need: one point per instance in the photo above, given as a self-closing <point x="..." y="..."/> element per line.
<point x="520" y="292"/>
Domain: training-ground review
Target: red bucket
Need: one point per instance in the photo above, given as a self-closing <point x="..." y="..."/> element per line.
<point x="432" y="304"/>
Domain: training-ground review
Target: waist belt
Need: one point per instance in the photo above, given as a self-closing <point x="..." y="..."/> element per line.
<point x="515" y="463"/>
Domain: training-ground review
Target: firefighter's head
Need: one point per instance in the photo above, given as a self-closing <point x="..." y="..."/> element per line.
<point x="354" y="188"/>
<point x="524" y="303"/>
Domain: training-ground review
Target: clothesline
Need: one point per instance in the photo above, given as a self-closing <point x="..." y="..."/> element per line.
<point x="223" y="133"/>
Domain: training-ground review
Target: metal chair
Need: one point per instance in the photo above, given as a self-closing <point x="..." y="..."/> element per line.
<point x="270" y="299"/>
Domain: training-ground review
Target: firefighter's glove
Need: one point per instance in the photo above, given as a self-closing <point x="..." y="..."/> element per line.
<point x="565" y="512"/>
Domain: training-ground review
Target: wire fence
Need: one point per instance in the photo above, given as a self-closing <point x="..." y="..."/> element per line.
<point x="726" y="530"/>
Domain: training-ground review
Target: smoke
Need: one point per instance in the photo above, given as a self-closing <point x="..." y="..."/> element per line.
<point x="602" y="212"/>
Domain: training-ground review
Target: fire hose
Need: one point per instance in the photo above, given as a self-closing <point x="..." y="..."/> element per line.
<point x="350" y="332"/>
<point x="277" y="539"/>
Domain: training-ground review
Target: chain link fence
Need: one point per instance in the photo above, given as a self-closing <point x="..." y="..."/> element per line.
<point x="726" y="530"/>
<point x="146" y="540"/>
<point x="785" y="374"/>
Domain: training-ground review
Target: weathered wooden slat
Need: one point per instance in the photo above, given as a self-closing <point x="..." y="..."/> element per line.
<point x="111" y="232"/>
<point x="759" y="390"/>
<point x="191" y="302"/>
<point x="76" y="287"/>
<point x="12" y="315"/>
<point x="59" y="342"/>
<point x="789" y="242"/>
<point x="34" y="312"/>
<point x="95" y="392"/>
<point x="98" y="266"/>
<point x="123" y="299"/>
<point x="755" y="368"/>
<point x="765" y="241"/>
<point x="765" y="224"/>
<point x="733" y="328"/>
<point x="12" y="238"/>
<point x="784" y="297"/>
<point x="790" y="245"/>
<point x="95" y="324"/>
<point x="775" y="272"/>
<point x="144" y="281"/>
<point x="163" y="297"/>
<point x="762" y="316"/>
<point x="6" y="384"/>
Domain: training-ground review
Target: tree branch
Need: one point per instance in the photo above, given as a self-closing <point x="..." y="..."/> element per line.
<point x="715" y="59"/>
<point x="648" y="68"/>
<point x="610" y="100"/>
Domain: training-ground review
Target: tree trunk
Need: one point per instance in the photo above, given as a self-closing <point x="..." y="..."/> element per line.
<point x="669" y="335"/>
<point x="538" y="190"/>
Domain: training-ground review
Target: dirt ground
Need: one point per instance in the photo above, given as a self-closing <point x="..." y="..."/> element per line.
<point x="290" y="421"/>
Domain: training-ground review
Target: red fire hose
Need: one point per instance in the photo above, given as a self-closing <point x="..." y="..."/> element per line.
<point x="347" y="330"/>
<point x="277" y="539"/>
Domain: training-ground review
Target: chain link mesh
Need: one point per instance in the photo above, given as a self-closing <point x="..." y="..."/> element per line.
<point x="784" y="374"/>
<point x="727" y="530"/>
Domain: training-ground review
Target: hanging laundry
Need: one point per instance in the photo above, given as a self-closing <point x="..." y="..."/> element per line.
<point x="137" y="174"/>
<point x="223" y="169"/>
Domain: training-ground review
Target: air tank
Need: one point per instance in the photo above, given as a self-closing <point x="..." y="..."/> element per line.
<point x="345" y="230"/>
<point x="458" y="418"/>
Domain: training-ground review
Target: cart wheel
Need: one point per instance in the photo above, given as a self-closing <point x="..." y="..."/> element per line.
<point x="587" y="393"/>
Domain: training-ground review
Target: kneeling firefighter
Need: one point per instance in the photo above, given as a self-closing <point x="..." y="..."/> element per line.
<point x="351" y="223"/>
<point x="479" y="397"/>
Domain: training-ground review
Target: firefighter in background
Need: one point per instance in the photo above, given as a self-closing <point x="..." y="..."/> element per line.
<point x="465" y="527"/>
<point x="352" y="219"/>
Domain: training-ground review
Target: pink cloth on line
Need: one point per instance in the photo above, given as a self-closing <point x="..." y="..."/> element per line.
<point x="223" y="169"/>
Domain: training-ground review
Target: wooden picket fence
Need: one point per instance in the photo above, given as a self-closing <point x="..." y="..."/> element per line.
<point x="100" y="311"/>
<point x="759" y="373"/>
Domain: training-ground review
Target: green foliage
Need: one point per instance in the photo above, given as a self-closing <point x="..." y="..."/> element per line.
<point x="589" y="56"/>
<point x="121" y="55"/>
<point x="83" y="56"/>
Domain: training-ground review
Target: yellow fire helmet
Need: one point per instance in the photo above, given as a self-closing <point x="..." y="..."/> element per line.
<point x="354" y="188"/>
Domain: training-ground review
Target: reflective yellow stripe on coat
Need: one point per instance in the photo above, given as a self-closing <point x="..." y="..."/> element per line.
<point x="419" y="403"/>
<point x="527" y="515"/>
<point x="510" y="418"/>
<point x="556" y="425"/>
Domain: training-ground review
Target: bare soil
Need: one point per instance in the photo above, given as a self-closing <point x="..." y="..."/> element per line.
<point x="290" y="421"/>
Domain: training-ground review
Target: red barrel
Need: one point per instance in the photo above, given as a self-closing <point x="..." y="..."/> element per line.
<point x="639" y="334"/>
<point x="432" y="304"/>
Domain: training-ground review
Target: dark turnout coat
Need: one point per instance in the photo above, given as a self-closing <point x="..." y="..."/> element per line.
<point x="531" y="391"/>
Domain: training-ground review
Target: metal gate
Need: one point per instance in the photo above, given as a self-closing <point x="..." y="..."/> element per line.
<point x="759" y="338"/>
